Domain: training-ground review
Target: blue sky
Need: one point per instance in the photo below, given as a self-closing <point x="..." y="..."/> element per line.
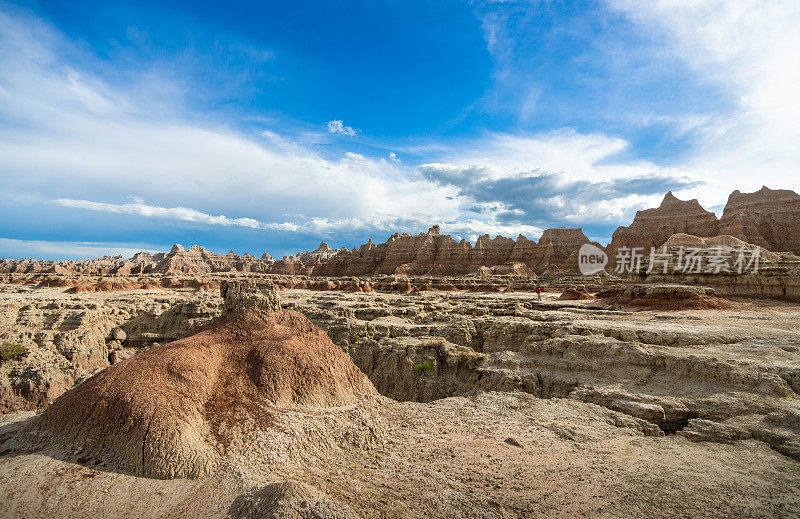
<point x="269" y="126"/>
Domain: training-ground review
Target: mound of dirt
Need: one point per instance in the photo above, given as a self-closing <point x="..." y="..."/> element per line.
<point x="663" y="297"/>
<point x="575" y="293"/>
<point x="174" y="410"/>
<point x="289" y="500"/>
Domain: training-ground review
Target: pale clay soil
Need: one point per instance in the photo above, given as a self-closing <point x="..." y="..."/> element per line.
<point x="489" y="453"/>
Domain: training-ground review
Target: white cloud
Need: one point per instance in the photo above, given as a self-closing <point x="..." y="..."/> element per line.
<point x="173" y="213"/>
<point x="68" y="135"/>
<point x="337" y="126"/>
<point x="60" y="249"/>
<point x="749" y="50"/>
<point x="571" y="155"/>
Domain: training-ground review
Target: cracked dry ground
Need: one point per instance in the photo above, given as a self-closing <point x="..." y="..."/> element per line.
<point x="503" y="407"/>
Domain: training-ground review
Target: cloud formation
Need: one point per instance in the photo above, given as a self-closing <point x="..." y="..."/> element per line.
<point x="337" y="126"/>
<point x="74" y="250"/>
<point x="174" y="213"/>
<point x="80" y="141"/>
<point x="749" y="50"/>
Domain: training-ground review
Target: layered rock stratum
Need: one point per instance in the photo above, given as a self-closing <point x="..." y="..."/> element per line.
<point x="767" y="218"/>
<point x="430" y="253"/>
<point x="652" y="227"/>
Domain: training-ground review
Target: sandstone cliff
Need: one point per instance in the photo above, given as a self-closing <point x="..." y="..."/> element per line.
<point x="437" y="254"/>
<point x="767" y="218"/>
<point x="652" y="227"/>
<point x="729" y="265"/>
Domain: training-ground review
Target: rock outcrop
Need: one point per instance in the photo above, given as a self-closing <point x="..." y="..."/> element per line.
<point x="767" y="218"/>
<point x="663" y="297"/>
<point x="575" y="293"/>
<point x="194" y="261"/>
<point x="652" y="227"/>
<point x="437" y="254"/>
<point x="729" y="265"/>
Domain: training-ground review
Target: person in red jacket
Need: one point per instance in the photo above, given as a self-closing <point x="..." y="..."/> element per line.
<point x="539" y="293"/>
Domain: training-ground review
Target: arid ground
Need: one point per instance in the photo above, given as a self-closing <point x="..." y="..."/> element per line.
<point x="491" y="405"/>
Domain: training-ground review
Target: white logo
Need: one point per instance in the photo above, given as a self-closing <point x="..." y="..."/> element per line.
<point x="591" y="259"/>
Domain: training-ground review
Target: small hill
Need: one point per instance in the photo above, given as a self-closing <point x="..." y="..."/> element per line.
<point x="177" y="409"/>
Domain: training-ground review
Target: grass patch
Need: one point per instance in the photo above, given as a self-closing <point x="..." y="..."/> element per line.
<point x="470" y="360"/>
<point x="11" y="351"/>
<point x="423" y="366"/>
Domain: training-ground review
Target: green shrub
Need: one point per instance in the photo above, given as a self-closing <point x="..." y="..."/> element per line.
<point x="354" y="339"/>
<point x="423" y="366"/>
<point x="11" y="351"/>
<point x="470" y="360"/>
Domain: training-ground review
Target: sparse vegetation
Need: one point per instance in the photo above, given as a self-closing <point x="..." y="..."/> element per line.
<point x="423" y="366"/>
<point x="470" y="360"/>
<point x="436" y="342"/>
<point x="11" y="351"/>
<point x="354" y="338"/>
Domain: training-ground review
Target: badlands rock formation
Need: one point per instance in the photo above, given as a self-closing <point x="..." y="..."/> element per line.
<point x="767" y="218"/>
<point x="438" y="254"/>
<point x="662" y="297"/>
<point x="666" y="371"/>
<point x="729" y="265"/>
<point x="652" y="227"/>
<point x="174" y="410"/>
<point x="428" y="253"/>
<point x="196" y="260"/>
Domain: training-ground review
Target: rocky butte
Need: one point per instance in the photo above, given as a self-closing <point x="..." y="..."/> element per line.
<point x="767" y="218"/>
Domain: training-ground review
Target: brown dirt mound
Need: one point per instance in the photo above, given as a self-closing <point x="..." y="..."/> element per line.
<point x="664" y="297"/>
<point x="576" y="293"/>
<point x="170" y="411"/>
